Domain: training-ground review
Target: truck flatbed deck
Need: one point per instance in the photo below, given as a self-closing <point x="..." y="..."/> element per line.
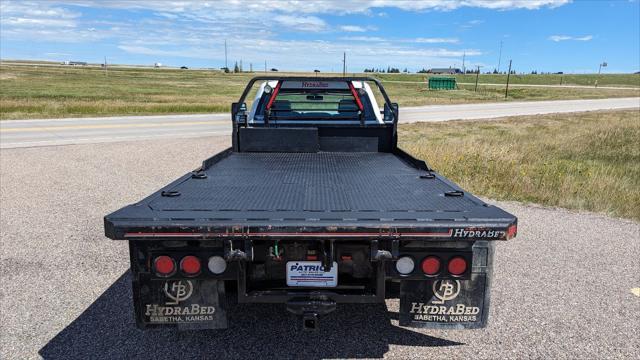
<point x="312" y="206"/>
<point x="305" y="190"/>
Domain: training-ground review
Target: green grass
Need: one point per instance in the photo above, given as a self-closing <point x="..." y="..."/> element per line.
<point x="52" y="91"/>
<point x="632" y="80"/>
<point x="585" y="161"/>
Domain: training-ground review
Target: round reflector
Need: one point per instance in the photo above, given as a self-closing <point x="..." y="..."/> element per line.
<point x="431" y="265"/>
<point x="190" y="265"/>
<point x="268" y="89"/>
<point x="217" y="264"/>
<point x="164" y="266"/>
<point x="405" y="265"/>
<point x="457" y="266"/>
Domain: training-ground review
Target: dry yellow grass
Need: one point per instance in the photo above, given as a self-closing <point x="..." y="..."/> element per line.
<point x="585" y="161"/>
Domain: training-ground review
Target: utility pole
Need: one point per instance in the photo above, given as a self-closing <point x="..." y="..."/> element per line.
<point x="464" y="70"/>
<point x="344" y="64"/>
<point x="250" y="67"/>
<point x="500" y="56"/>
<point x="477" y="76"/>
<point x="506" y="91"/>
<point x="105" y="67"/>
<point x="226" y="66"/>
<point x="603" y="64"/>
<point x="265" y="66"/>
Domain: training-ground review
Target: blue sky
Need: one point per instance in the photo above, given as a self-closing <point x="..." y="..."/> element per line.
<point x="542" y="35"/>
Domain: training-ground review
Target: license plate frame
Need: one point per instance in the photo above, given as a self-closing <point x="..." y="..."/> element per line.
<point x="310" y="274"/>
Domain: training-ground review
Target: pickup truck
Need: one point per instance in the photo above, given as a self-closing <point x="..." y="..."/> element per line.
<point x="314" y="205"/>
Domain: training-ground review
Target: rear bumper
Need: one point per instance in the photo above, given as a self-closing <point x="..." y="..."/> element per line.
<point x="200" y="302"/>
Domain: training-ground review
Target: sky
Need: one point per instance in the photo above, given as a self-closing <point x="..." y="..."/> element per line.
<point x="542" y="35"/>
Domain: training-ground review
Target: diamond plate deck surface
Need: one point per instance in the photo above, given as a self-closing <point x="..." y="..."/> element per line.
<point x="313" y="182"/>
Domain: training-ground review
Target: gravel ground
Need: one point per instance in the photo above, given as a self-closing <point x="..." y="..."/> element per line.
<point x="562" y="288"/>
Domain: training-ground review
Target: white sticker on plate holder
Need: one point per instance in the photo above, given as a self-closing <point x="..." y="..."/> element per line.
<point x="311" y="274"/>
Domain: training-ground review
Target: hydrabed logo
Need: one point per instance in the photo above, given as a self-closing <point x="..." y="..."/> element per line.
<point x="178" y="291"/>
<point x="436" y="311"/>
<point x="478" y="233"/>
<point x="315" y="84"/>
<point x="445" y="290"/>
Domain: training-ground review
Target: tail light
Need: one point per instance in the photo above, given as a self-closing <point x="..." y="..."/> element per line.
<point x="405" y="265"/>
<point x="431" y="265"/>
<point x="457" y="266"/>
<point x="190" y="265"/>
<point x="164" y="266"/>
<point x="512" y="231"/>
<point x="217" y="264"/>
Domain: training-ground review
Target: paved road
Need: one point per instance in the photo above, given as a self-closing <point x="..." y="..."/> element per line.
<point x="31" y="133"/>
<point x="558" y="86"/>
<point x="496" y="110"/>
<point x="562" y="289"/>
<point x="528" y="85"/>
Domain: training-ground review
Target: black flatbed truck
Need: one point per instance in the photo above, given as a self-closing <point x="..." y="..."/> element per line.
<point x="313" y="205"/>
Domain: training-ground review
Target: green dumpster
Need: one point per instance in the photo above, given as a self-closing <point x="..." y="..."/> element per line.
<point x="442" y="83"/>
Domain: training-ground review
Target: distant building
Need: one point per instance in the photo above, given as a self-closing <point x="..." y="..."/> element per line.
<point x="444" y="71"/>
<point x="157" y="65"/>
<point x="74" y="63"/>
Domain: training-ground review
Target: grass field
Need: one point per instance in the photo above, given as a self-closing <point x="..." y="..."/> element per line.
<point x="585" y="161"/>
<point x="38" y="91"/>
<point x="631" y="80"/>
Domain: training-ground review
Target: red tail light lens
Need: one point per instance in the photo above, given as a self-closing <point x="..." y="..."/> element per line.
<point x="457" y="266"/>
<point x="164" y="266"/>
<point x="190" y="265"/>
<point x="431" y="265"/>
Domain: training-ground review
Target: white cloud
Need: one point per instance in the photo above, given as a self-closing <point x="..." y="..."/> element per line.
<point x="414" y="40"/>
<point x="558" y="38"/>
<point x="43" y="22"/>
<point x="197" y="29"/>
<point x="30" y="15"/>
<point x="319" y="6"/>
<point x="471" y="23"/>
<point x="352" y="28"/>
<point x="435" y="40"/>
<point x="584" y="38"/>
<point x="365" y="38"/>
<point x="304" y="55"/>
<point x="57" y="54"/>
<point x="304" y="23"/>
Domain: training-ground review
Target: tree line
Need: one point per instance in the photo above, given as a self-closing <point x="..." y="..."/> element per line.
<point x="389" y="70"/>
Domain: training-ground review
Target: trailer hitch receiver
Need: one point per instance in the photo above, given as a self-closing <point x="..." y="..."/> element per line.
<point x="310" y="321"/>
<point x="310" y="310"/>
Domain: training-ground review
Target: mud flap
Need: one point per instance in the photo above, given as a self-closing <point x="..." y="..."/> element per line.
<point x="461" y="304"/>
<point x="188" y="304"/>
